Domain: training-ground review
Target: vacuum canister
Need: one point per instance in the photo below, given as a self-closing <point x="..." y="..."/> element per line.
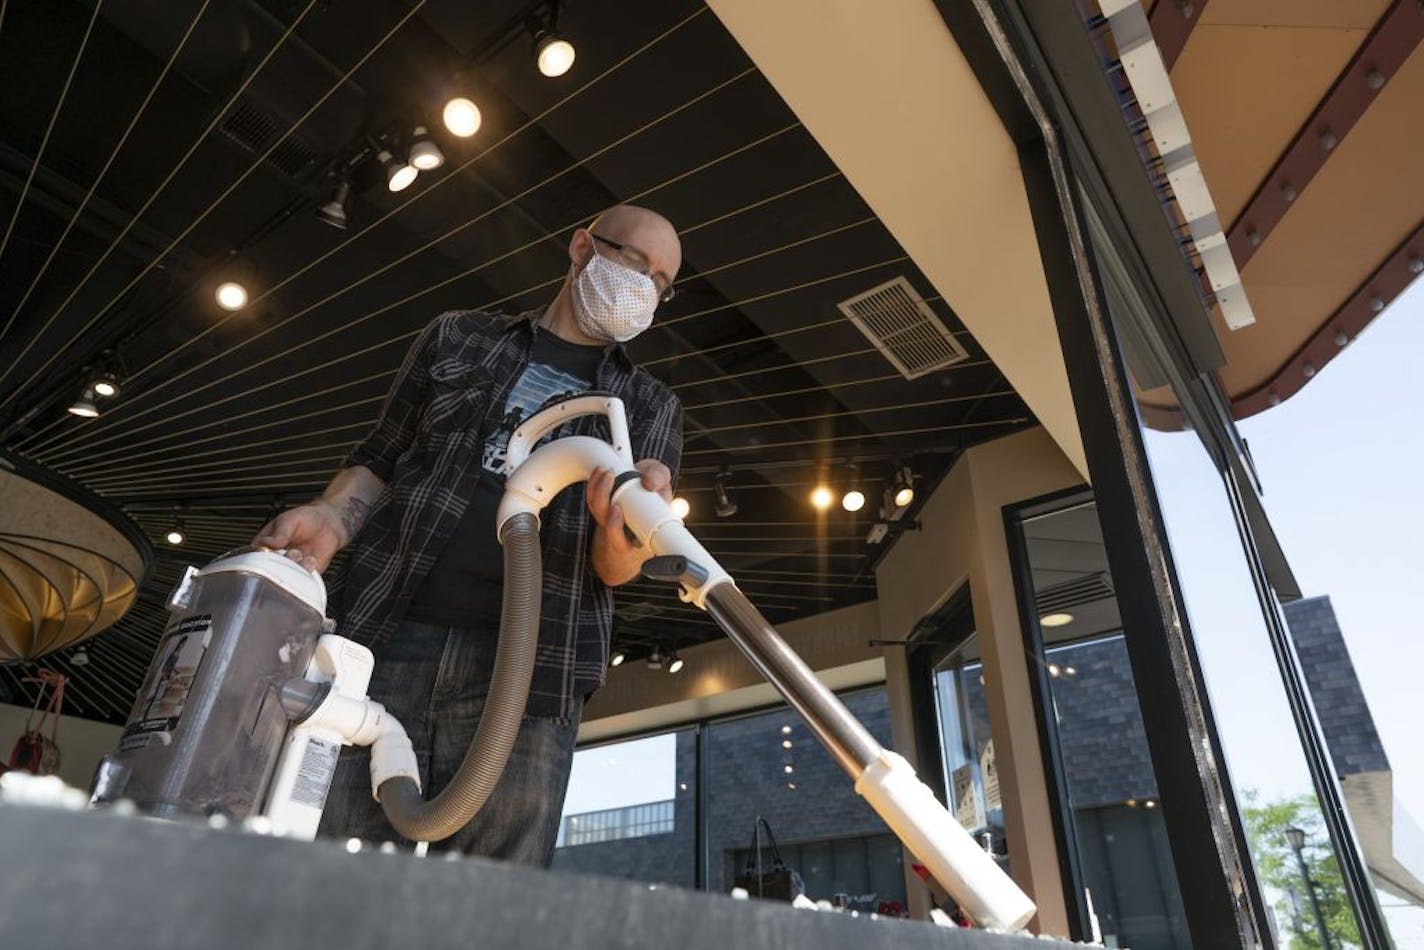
<point x="208" y="726"/>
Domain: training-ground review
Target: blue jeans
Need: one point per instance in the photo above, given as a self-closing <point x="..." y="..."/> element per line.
<point x="434" y="680"/>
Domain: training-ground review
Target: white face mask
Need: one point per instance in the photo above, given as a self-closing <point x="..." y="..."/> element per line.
<point x="612" y="301"/>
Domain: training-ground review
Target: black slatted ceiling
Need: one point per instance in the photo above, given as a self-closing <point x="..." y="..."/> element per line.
<point x="227" y="415"/>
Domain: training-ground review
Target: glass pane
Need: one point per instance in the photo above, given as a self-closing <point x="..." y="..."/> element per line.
<point x="1124" y="860"/>
<point x="769" y="765"/>
<point x="1262" y="748"/>
<point x="970" y="777"/>
<point x="630" y="808"/>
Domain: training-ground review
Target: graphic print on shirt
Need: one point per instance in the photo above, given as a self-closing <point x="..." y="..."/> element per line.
<point x="538" y="384"/>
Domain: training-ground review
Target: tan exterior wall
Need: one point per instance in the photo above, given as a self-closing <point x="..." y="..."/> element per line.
<point x="962" y="541"/>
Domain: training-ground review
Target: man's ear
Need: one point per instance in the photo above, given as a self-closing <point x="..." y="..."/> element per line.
<point x="580" y="247"/>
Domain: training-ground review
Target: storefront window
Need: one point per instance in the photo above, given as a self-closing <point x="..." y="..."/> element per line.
<point x="1107" y="789"/>
<point x="1262" y="747"/>
<point x="630" y="810"/>
<point x="770" y="765"/>
<point x="971" y="778"/>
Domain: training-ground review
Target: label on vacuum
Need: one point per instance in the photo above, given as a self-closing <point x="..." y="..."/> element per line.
<point x="315" y="773"/>
<point x="180" y="653"/>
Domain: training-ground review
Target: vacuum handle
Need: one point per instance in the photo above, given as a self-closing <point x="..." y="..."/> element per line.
<point x="556" y="412"/>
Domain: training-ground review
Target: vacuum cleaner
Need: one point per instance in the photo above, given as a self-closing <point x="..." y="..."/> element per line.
<point x="251" y="695"/>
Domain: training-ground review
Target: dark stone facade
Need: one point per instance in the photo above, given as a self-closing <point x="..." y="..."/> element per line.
<point x="747" y="777"/>
<point x="1334" y="688"/>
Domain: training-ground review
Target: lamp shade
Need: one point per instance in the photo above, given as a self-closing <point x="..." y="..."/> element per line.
<point x="70" y="566"/>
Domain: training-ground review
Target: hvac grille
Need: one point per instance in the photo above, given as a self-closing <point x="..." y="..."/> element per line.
<point x="904" y="328"/>
<point x="255" y="131"/>
<point x="1074" y="593"/>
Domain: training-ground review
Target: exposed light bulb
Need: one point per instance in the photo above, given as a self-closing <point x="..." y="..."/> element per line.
<point x="424" y="153"/>
<point x="462" y="117"/>
<point x="555" y="55"/>
<point x="84" y="406"/>
<point x="680" y="507"/>
<point x="821" y="498"/>
<point x="399" y="175"/>
<point x="106" y="385"/>
<point x="231" y="295"/>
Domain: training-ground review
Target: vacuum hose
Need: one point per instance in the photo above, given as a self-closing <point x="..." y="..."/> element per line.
<point x="484" y="761"/>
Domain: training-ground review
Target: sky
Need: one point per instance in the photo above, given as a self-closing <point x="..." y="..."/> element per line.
<point x="1341" y="465"/>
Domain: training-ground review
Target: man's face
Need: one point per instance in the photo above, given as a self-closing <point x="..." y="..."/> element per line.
<point x="649" y="245"/>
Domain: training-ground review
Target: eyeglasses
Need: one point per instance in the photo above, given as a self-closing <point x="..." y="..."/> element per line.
<point x="634" y="258"/>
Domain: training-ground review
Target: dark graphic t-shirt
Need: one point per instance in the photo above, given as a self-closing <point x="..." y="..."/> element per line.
<point x="465" y="585"/>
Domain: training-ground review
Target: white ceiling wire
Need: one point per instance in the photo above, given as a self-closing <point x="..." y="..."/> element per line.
<point x="113" y="154"/>
<point x="49" y="128"/>
<point x="113" y="245"/>
<point x="213" y="205"/>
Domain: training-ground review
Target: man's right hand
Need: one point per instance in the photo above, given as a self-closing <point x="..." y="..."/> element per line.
<point x="311" y="534"/>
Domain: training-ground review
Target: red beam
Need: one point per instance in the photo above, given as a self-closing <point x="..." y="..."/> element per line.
<point x="1383" y="286"/>
<point x="1172" y="22"/>
<point x="1391" y="42"/>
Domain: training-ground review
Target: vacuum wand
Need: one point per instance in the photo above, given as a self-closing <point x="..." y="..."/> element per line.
<point x="884" y="779"/>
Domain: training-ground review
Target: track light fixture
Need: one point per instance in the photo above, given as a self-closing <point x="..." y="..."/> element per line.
<point x="175" y="534"/>
<point x="399" y="175"/>
<point x="337" y="211"/>
<point x="462" y="117"/>
<point x="681" y="507"/>
<point x="424" y="153"/>
<point x="673" y="662"/>
<point x="552" y="53"/>
<point x="655" y="659"/>
<point x="854" y="498"/>
<point x="84" y="406"/>
<point x="617" y="659"/>
<point x="80" y="657"/>
<point x="105" y="385"/>
<point x="903" y="486"/>
<point x="725" y="506"/>
<point x="231" y="295"/>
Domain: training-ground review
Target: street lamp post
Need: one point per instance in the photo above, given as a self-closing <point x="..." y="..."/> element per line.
<point x="1295" y="837"/>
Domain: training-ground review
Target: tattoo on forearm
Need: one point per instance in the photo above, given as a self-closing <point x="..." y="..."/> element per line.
<point x="354" y="515"/>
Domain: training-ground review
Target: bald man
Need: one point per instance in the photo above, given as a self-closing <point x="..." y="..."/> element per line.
<point x="416" y="504"/>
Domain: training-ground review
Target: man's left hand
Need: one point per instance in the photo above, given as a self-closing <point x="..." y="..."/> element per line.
<point x="656" y="478"/>
<point x="616" y="557"/>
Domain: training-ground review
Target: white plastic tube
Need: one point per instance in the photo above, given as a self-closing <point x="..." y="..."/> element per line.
<point x="966" y="870"/>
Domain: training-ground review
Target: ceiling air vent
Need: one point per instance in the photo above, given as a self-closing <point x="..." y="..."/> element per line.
<point x="255" y="131"/>
<point x="903" y="327"/>
<point x="1074" y="593"/>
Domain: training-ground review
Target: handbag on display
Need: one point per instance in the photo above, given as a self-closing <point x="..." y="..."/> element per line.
<point x="774" y="880"/>
<point x="34" y="751"/>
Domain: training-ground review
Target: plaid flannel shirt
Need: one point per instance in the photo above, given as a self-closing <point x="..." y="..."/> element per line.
<point x="427" y="447"/>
